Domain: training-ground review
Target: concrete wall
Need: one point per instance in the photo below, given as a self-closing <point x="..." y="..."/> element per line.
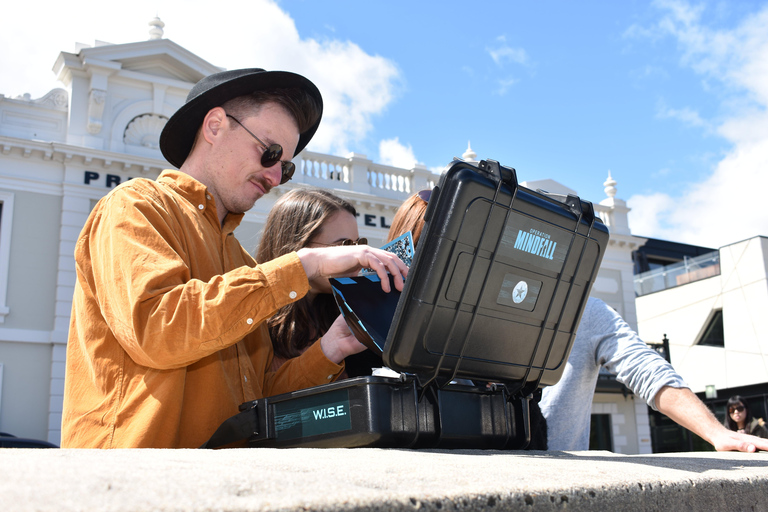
<point x="379" y="480"/>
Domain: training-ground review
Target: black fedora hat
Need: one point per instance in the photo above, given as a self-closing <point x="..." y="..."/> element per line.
<point x="213" y="91"/>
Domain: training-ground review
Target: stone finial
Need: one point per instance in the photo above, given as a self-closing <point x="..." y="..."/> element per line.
<point x="156" y="30"/>
<point x="610" y="186"/>
<point x="469" y="155"/>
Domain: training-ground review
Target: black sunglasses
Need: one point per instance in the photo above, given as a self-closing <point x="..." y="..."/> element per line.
<point x="346" y="241"/>
<point x="425" y="194"/>
<point x="736" y="408"/>
<point x="271" y="155"/>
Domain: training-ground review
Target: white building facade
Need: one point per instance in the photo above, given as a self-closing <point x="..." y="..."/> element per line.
<point x="61" y="153"/>
<point x="736" y="289"/>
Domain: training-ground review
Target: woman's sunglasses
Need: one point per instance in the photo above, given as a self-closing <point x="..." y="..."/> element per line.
<point x="271" y="155"/>
<point x="736" y="408"/>
<point x="346" y="241"/>
<point x="424" y="194"/>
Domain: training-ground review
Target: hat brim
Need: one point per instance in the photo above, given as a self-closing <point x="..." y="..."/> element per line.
<point x="179" y="133"/>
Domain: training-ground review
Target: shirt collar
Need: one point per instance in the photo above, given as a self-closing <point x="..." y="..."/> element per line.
<point x="187" y="186"/>
<point x="197" y="194"/>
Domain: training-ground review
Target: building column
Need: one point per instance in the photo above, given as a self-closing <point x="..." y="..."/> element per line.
<point x="74" y="212"/>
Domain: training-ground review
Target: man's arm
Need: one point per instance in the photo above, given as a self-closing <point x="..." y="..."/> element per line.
<point x="685" y="408"/>
<point x="135" y="258"/>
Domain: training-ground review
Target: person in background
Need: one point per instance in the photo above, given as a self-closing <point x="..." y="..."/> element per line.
<point x="739" y="418"/>
<point x="410" y="216"/>
<point x="168" y="333"/>
<point x="308" y="217"/>
<point x="604" y="339"/>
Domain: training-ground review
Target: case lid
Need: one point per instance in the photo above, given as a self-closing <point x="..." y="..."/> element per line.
<point x="498" y="283"/>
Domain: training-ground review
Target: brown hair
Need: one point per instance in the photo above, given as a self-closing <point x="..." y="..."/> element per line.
<point x="301" y="105"/>
<point x="409" y="217"/>
<point x="295" y="219"/>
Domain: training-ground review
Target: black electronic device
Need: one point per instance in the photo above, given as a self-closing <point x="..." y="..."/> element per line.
<point x="499" y="280"/>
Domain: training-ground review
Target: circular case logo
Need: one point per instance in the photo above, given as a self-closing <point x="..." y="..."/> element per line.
<point x="520" y="291"/>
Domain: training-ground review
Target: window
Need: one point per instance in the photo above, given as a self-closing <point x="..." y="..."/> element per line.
<point x="713" y="335"/>
<point x="600" y="436"/>
<point x="6" y="222"/>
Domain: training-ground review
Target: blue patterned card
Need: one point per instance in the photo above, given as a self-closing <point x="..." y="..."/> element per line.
<point x="402" y="246"/>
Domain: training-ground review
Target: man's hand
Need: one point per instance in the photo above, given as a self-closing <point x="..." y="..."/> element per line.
<point x="338" y="342"/>
<point x="687" y="410"/>
<point x="320" y="264"/>
<point x="730" y="441"/>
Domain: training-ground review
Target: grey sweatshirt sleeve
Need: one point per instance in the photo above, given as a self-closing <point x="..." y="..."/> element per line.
<point x="603" y="339"/>
<point x="621" y="351"/>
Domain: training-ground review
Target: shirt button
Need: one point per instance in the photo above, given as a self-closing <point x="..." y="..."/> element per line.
<point x="208" y="197"/>
<point x="245" y="378"/>
<point x="329" y="377"/>
<point x="249" y="321"/>
<point x="292" y="295"/>
<point x="201" y="207"/>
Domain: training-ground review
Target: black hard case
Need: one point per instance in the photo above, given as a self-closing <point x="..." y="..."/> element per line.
<point x="461" y="316"/>
<point x="390" y="412"/>
<point x="482" y="238"/>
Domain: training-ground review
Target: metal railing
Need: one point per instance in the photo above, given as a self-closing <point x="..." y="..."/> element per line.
<point x="684" y="272"/>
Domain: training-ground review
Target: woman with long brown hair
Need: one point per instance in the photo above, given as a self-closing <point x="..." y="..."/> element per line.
<point x="305" y="217"/>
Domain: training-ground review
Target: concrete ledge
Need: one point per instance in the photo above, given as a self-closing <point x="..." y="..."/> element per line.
<point x="377" y="479"/>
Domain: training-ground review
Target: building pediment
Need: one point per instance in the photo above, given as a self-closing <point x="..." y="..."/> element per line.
<point x="123" y="94"/>
<point x="153" y="59"/>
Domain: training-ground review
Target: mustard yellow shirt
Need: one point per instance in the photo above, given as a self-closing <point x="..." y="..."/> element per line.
<point x="168" y="334"/>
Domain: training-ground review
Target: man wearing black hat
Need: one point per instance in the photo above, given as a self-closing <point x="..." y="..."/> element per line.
<point x="167" y="336"/>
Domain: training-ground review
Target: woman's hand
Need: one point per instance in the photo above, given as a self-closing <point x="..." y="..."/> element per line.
<point x="344" y="261"/>
<point x="339" y="342"/>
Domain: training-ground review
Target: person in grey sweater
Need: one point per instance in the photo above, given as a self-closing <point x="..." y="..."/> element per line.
<point x="605" y="340"/>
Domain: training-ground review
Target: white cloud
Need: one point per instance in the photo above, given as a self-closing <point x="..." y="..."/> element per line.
<point x="648" y="214"/>
<point x="503" y="53"/>
<point x="505" y="85"/>
<point x="356" y="86"/>
<point x="726" y="206"/>
<point x="393" y="152"/>
<point x="686" y="115"/>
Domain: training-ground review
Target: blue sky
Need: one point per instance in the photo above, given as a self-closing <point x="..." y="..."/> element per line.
<point x="670" y="96"/>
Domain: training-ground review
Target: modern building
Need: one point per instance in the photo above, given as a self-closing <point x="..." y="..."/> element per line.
<point x="710" y="305"/>
<point x="61" y="153"/>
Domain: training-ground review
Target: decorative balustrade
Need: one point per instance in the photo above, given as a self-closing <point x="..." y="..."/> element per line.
<point x="603" y="213"/>
<point x="357" y="173"/>
<point x="324" y="167"/>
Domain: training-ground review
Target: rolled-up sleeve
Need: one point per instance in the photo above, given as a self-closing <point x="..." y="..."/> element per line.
<point x="309" y="369"/>
<point x="635" y="364"/>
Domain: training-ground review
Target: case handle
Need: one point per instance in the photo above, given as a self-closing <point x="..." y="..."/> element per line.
<point x="240" y="427"/>
<point x="499" y="173"/>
